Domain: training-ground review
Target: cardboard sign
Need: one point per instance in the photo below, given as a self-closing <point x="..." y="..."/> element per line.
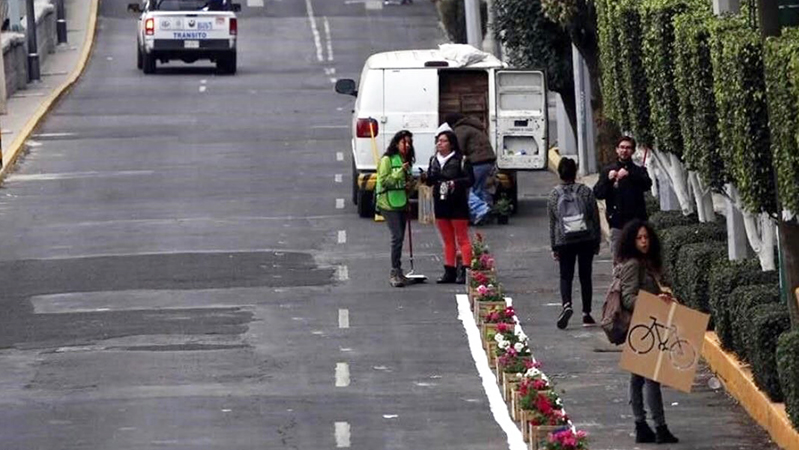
<point x="664" y="342"/>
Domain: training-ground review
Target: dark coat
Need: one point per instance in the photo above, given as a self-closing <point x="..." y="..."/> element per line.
<point x="624" y="202"/>
<point x="458" y="170"/>
<point x="474" y="141"/>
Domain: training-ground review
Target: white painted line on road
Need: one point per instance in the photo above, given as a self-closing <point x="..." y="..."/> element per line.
<point x="32" y="143"/>
<point x="345" y="349"/>
<point x="329" y="38"/>
<point x="339" y="178"/>
<point x="342" y="236"/>
<point x="339" y="156"/>
<point x="553" y="304"/>
<point x="343" y="319"/>
<point x="342" y="374"/>
<point x="497" y="404"/>
<point x="339" y="203"/>
<point x="317" y="40"/>
<point x="255" y="3"/>
<point x="342" y="273"/>
<point x="373" y="4"/>
<point x="390" y="416"/>
<point x="203" y="88"/>
<point x="53" y="135"/>
<point x="342" y="435"/>
<point x="332" y="80"/>
<point x="330" y="70"/>
<point x="203" y="81"/>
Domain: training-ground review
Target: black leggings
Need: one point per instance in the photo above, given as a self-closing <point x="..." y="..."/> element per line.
<point x="583" y="254"/>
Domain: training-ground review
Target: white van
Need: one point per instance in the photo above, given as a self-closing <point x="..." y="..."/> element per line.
<point x="415" y="89"/>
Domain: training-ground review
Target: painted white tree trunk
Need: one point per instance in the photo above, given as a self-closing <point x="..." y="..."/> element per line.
<point x="703" y="197"/>
<point x="678" y="176"/>
<point x="760" y="231"/>
<point x="652" y="169"/>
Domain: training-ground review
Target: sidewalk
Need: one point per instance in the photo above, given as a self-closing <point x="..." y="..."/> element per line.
<point x="59" y="71"/>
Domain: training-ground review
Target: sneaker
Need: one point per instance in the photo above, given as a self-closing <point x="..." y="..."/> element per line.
<point x="588" y="321"/>
<point x="565" y="315"/>
<point x="394" y="280"/>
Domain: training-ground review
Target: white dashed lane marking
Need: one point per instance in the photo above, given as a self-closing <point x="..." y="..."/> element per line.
<point x="342" y="432"/>
<point x="344" y="319"/>
<point x="339" y="203"/>
<point x="342" y="374"/>
<point x="342" y="236"/>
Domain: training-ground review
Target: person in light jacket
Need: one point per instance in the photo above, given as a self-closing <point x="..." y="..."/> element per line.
<point x="451" y="176"/>
<point x="641" y="268"/>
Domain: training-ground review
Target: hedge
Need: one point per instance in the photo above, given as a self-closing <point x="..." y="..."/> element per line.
<point x="693" y="69"/>
<point x="662" y="220"/>
<point x="651" y="203"/>
<point x="788" y="367"/>
<point x="724" y="278"/>
<point x="611" y="86"/>
<point x="766" y="324"/>
<point x="674" y="238"/>
<point x="742" y="299"/>
<point x="694" y="263"/>
<point x="782" y="89"/>
<point x="627" y="22"/>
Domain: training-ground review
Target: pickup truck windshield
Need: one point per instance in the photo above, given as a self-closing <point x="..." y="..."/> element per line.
<point x="192" y="5"/>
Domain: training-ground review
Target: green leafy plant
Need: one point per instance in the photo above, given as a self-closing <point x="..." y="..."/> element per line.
<point x="503" y="206"/>
<point x="742" y="300"/>
<point x="694" y="263"/>
<point x="628" y="25"/>
<point x="674" y="238"/>
<point x="765" y="325"/>
<point x="788" y="367"/>
<point x="662" y="220"/>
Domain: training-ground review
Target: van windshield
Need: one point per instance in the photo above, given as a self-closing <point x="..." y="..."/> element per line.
<point x="192" y="5"/>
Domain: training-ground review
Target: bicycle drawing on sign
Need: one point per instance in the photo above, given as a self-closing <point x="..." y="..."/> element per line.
<point x="642" y="338"/>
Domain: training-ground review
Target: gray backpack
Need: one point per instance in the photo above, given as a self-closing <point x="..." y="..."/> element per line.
<point x="572" y="212"/>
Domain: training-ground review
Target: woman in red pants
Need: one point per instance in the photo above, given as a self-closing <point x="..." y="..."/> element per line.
<point x="451" y="176"/>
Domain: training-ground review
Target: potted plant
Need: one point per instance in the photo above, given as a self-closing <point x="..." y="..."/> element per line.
<point x="566" y="439"/>
<point x="503" y="208"/>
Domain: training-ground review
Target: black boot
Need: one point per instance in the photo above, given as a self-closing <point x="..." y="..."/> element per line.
<point x="460" y="275"/>
<point x="449" y="275"/>
<point x="643" y="434"/>
<point x="664" y="436"/>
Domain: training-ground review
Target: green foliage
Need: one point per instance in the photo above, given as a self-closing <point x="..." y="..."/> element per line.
<point x="453" y="17"/>
<point x="694" y="263"/>
<point x="743" y="115"/>
<point x="788" y="367"/>
<point x="693" y="72"/>
<point x="635" y="102"/>
<point x="782" y="86"/>
<point x="534" y="41"/>
<point x="652" y="204"/>
<point x="662" y="220"/>
<point x="724" y="278"/>
<point x="613" y="90"/>
<point x="674" y="238"/>
<point x="766" y="324"/>
<point x="742" y="299"/>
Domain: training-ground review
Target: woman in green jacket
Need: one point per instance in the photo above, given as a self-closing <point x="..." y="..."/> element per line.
<point x="393" y="179"/>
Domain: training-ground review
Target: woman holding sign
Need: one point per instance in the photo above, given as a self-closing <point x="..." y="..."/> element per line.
<point x="641" y="268"/>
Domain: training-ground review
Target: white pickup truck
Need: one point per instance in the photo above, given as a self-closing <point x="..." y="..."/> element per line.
<point x="186" y="30"/>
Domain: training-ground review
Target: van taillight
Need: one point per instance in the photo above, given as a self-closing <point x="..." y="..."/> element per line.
<point x="149" y="27"/>
<point x="362" y="128"/>
<point x="234" y="26"/>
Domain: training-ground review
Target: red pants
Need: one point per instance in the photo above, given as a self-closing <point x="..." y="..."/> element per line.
<point x="452" y="230"/>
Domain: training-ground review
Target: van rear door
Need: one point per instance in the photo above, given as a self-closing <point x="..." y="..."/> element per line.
<point x="520" y="115"/>
<point x="411" y="103"/>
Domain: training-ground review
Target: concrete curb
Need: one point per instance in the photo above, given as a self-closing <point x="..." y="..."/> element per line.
<point x="737" y="380"/>
<point x="18" y="144"/>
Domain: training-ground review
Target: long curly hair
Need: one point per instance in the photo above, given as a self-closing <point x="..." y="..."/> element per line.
<point x="627" y="249"/>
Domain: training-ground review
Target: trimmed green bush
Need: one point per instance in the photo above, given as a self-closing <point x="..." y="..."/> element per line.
<point x="628" y="27"/>
<point x="724" y="278"/>
<point x="662" y="220"/>
<point x="652" y="204"/>
<point x="674" y="238"/>
<point x="742" y="299"/>
<point x="788" y="367"/>
<point x="613" y="90"/>
<point x="766" y="324"/>
<point x="694" y="263"/>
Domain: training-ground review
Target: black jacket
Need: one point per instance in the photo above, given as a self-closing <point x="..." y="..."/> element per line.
<point x="456" y="203"/>
<point x="625" y="201"/>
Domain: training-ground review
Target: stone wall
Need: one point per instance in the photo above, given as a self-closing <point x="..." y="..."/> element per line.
<point x="15" y="49"/>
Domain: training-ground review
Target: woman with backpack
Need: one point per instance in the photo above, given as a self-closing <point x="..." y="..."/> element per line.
<point x="641" y="268"/>
<point x="574" y="233"/>
<point x="451" y="176"/>
<point x="393" y="176"/>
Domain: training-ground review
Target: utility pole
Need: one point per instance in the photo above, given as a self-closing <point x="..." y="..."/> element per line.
<point x="33" y="49"/>
<point x="474" y="33"/>
<point x="61" y="22"/>
<point x="787" y="231"/>
<point x="586" y="131"/>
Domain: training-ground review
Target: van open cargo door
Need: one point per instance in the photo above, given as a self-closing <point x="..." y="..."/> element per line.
<point x="521" y="119"/>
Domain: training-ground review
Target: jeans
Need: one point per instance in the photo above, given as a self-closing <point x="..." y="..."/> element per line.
<point x="583" y="255"/>
<point x="481" y="173"/>
<point x="478" y="209"/>
<point x="452" y="230"/>
<point x="641" y="388"/>
<point x="396" y="224"/>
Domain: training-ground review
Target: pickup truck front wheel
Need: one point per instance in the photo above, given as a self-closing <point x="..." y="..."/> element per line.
<point x="148" y="63"/>
<point x="226" y="64"/>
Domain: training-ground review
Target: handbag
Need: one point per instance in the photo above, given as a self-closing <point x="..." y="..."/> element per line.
<point x="615" y="318"/>
<point x="427" y="213"/>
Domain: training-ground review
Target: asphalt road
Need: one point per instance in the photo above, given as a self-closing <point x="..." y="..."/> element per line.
<point x="181" y="267"/>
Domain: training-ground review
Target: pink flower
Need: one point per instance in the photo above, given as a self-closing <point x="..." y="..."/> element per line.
<point x="482" y="290"/>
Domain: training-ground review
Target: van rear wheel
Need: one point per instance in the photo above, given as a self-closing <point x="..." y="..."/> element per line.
<point x="366" y="207"/>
